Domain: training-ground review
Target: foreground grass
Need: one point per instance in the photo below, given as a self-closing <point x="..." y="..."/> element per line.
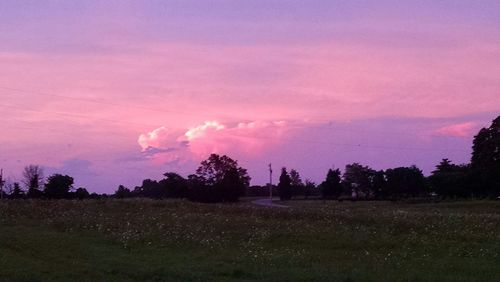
<point x="146" y="240"/>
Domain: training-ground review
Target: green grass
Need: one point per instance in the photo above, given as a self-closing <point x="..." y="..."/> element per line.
<point x="146" y="240"/>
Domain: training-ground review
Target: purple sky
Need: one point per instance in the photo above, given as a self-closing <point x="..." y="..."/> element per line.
<point x="112" y="92"/>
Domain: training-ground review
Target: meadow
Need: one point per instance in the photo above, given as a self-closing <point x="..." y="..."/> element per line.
<point x="177" y="240"/>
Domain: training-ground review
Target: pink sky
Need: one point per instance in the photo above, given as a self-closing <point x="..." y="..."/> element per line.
<point x="117" y="92"/>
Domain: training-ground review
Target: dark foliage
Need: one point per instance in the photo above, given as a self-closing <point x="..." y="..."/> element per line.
<point x="260" y="191"/>
<point x="33" y="180"/>
<point x="173" y="186"/>
<point x="309" y="188"/>
<point x="332" y="186"/>
<point x="285" y="185"/>
<point x="485" y="161"/>
<point x="405" y="182"/>
<point x="358" y="180"/>
<point x="17" y="192"/>
<point x="122" y="192"/>
<point x="149" y="189"/>
<point x="80" y="193"/>
<point x="379" y="185"/>
<point x="296" y="183"/>
<point x="218" y="179"/>
<point x="58" y="186"/>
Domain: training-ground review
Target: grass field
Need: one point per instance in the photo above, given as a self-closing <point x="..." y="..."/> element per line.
<point x="147" y="240"/>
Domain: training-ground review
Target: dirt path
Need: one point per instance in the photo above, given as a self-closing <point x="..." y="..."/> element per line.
<point x="268" y="203"/>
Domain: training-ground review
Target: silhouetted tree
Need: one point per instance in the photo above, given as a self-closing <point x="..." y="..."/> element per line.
<point x="309" y="187"/>
<point x="296" y="183"/>
<point x="331" y="187"/>
<point x="218" y="179"/>
<point x="173" y="185"/>
<point x="450" y="180"/>
<point x="405" y="181"/>
<point x="81" y="193"/>
<point x="17" y="192"/>
<point x="285" y="185"/>
<point x="379" y="185"/>
<point x="58" y="186"/>
<point x="122" y="192"/>
<point x="358" y="180"/>
<point x="149" y="189"/>
<point x="485" y="161"/>
<point x="33" y="180"/>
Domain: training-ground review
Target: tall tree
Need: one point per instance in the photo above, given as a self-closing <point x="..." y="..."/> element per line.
<point x="81" y="193"/>
<point x="58" y="186"/>
<point x="379" y="185"/>
<point x="309" y="187"/>
<point x="122" y="192"/>
<point x="485" y="161"/>
<point x="332" y="187"/>
<point x="33" y="180"/>
<point x="285" y="185"/>
<point x="174" y="185"/>
<point x="218" y="179"/>
<point x="17" y="192"/>
<point x="358" y="179"/>
<point x="150" y="189"/>
<point x="296" y="183"/>
<point x="451" y="180"/>
<point x="405" y="181"/>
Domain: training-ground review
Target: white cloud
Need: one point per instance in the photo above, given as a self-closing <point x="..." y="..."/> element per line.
<point x="249" y="138"/>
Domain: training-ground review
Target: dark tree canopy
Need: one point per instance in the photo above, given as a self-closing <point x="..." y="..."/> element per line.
<point x="122" y="192"/>
<point x="486" y="147"/>
<point x="33" y="180"/>
<point x="149" y="188"/>
<point x="296" y="182"/>
<point x="485" y="161"/>
<point x="285" y="185"/>
<point x="332" y="186"/>
<point x="379" y="185"/>
<point x="81" y="193"/>
<point x="309" y="187"/>
<point x="58" y="186"/>
<point x="451" y="180"/>
<point x="173" y="185"/>
<point x="358" y="180"/>
<point x="218" y="179"/>
<point x="17" y="192"/>
<point x="405" y="181"/>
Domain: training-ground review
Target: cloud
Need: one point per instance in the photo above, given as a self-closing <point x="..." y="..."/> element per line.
<point x="465" y="129"/>
<point x="248" y="138"/>
<point x="159" y="140"/>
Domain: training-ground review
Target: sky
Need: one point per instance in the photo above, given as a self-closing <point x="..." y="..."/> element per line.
<point x="113" y="92"/>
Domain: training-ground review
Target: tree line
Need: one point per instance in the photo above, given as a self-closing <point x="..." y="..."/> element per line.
<point x="221" y="179"/>
<point x="56" y="186"/>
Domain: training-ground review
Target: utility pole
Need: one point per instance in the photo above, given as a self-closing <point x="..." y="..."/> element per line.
<point x="270" y="182"/>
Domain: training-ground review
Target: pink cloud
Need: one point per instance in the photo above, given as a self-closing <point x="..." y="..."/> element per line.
<point x="465" y="129"/>
<point x="159" y="138"/>
<point x="248" y="138"/>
